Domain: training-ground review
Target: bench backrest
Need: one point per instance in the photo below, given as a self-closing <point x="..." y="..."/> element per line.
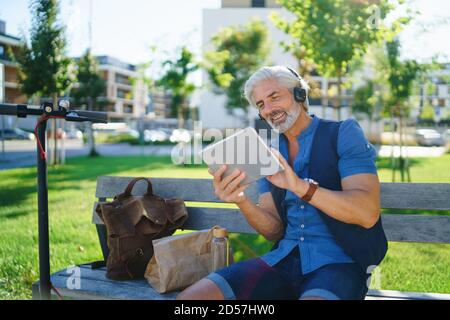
<point x="203" y="215"/>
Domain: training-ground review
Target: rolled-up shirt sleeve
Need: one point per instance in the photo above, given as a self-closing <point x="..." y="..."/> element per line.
<point x="356" y="153"/>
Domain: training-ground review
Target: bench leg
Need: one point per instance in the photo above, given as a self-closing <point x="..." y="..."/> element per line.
<point x="102" y="237"/>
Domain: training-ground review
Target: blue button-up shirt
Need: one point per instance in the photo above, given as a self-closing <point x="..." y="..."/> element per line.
<point x="305" y="226"/>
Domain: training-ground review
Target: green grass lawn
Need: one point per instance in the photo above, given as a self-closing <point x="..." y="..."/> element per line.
<point x="408" y="267"/>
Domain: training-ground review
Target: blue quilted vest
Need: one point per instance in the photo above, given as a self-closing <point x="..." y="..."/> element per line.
<point x="366" y="247"/>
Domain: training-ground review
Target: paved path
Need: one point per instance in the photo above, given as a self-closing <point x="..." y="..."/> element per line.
<point x="23" y="153"/>
<point x="413" y="152"/>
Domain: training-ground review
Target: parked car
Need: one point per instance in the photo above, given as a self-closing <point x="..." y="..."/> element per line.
<point x="74" y="134"/>
<point x="126" y="132"/>
<point x="155" y="136"/>
<point x="17" y="134"/>
<point x="446" y="135"/>
<point x="180" y="135"/>
<point x="429" y="137"/>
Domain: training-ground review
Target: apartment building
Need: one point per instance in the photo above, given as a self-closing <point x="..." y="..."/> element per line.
<point x="439" y="95"/>
<point x="123" y="99"/>
<point x="12" y="92"/>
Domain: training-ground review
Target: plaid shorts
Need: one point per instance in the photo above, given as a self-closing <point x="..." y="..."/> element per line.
<point x="255" y="279"/>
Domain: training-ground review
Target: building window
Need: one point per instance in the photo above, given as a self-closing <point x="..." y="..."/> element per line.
<point x="127" y="109"/>
<point x="315" y="101"/>
<point x="258" y="3"/>
<point x="124" y="94"/>
<point x="122" y="79"/>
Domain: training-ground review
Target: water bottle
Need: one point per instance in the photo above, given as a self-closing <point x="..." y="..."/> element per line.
<point x="220" y="249"/>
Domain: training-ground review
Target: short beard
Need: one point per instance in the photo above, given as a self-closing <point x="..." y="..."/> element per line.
<point x="291" y="117"/>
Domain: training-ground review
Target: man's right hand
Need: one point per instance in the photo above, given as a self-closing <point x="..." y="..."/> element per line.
<point x="229" y="189"/>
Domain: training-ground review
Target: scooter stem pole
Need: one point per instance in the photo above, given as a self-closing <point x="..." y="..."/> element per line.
<point x="44" y="246"/>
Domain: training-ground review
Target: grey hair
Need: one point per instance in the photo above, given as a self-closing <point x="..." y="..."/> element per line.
<point x="282" y="75"/>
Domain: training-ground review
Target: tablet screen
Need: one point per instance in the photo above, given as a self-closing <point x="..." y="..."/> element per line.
<point x="244" y="150"/>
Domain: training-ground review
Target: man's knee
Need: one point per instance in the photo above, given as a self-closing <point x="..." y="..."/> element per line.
<point x="204" y="289"/>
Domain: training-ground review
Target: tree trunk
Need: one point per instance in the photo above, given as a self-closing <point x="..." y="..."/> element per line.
<point x="392" y="147"/>
<point x="324" y="99"/>
<point x="63" y="148"/>
<point x="91" y="139"/>
<point x="55" y="159"/>
<point x="401" y="159"/>
<point x="180" y="112"/>
<point x="339" y="98"/>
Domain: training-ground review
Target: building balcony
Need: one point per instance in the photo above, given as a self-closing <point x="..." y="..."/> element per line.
<point x="124" y="86"/>
<point x="12" y="85"/>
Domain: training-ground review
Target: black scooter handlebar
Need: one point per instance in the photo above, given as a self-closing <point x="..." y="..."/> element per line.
<point x="8" y="109"/>
<point x="94" y="115"/>
<point x="72" y="115"/>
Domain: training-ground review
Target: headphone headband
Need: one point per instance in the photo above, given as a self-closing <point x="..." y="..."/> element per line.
<point x="294" y="73"/>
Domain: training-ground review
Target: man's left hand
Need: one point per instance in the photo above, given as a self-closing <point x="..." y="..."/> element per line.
<point x="288" y="179"/>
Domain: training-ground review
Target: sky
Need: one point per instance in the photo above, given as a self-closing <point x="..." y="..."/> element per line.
<point x="127" y="29"/>
<point x="122" y="29"/>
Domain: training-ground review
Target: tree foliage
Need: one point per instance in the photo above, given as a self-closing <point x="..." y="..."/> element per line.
<point x="175" y="81"/>
<point x="238" y="52"/>
<point x="90" y="87"/>
<point x="44" y="69"/>
<point x="332" y="33"/>
<point x="90" y="83"/>
<point x="365" y="99"/>
<point x="401" y="76"/>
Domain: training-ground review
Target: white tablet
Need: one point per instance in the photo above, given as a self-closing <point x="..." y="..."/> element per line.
<point x="244" y="150"/>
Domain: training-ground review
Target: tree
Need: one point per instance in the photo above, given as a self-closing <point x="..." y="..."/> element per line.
<point x="238" y="52"/>
<point x="91" y="86"/>
<point x="44" y="69"/>
<point x="175" y="80"/>
<point x="427" y="109"/>
<point x="401" y="76"/>
<point x="365" y="101"/>
<point x="333" y="32"/>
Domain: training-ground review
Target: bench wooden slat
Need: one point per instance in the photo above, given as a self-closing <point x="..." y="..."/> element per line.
<point x="205" y="218"/>
<point x="413" y="228"/>
<point x="200" y="190"/>
<point x="94" y="285"/>
<point x="420" y="196"/>
<point x="398" y="227"/>
<point x="403" y="295"/>
<point x="416" y="228"/>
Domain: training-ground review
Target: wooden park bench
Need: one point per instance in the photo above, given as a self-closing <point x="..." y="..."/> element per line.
<point x="398" y="227"/>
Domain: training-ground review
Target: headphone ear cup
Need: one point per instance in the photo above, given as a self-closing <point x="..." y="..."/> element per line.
<point x="299" y="94"/>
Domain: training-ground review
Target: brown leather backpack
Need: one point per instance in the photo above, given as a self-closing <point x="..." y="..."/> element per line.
<point x="132" y="222"/>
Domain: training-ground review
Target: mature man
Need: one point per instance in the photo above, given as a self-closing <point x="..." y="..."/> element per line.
<point x="323" y="210"/>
